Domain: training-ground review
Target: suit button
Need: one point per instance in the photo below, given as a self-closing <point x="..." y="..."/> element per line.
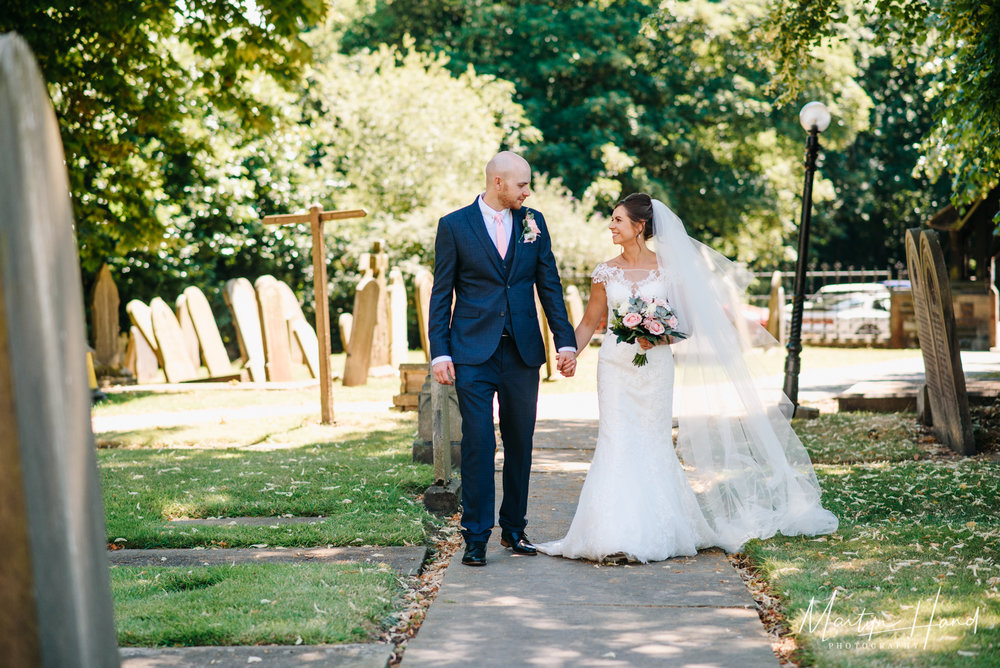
<point x="503" y="314"/>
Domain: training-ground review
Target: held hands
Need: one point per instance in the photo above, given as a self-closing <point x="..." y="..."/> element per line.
<point x="566" y="363"/>
<point x="444" y="373"/>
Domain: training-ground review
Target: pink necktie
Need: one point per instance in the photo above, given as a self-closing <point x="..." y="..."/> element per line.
<point x="501" y="235"/>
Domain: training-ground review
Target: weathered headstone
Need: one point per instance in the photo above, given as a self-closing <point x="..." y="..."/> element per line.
<point x="307" y="344"/>
<point x="377" y="267"/>
<point x="104" y="314"/>
<point x="173" y="355"/>
<point x="293" y="312"/>
<point x="55" y="592"/>
<point x="423" y="443"/>
<point x="275" y="330"/>
<point x="316" y="218"/>
<point x="444" y="495"/>
<point x="574" y="305"/>
<point x="142" y="318"/>
<point x="242" y="302"/>
<point x="397" y="309"/>
<point x="359" y="348"/>
<point x="776" y="308"/>
<point x="187" y="329"/>
<point x="944" y="375"/>
<point x="411" y="381"/>
<point x="213" y="351"/>
<point x="423" y="283"/>
<point x="550" y="344"/>
<point x="140" y="358"/>
<point x="344" y="324"/>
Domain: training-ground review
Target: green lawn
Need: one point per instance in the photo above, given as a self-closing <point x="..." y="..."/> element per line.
<point x="282" y="604"/>
<point x="911" y="576"/>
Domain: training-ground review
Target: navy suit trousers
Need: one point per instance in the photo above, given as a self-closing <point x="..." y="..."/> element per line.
<point x="515" y="384"/>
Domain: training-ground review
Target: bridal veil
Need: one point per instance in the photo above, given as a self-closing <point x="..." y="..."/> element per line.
<point x="750" y="472"/>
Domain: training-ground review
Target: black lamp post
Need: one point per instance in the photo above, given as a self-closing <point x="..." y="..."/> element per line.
<point x="815" y="118"/>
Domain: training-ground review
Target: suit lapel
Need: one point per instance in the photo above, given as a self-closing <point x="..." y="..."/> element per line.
<point x="474" y="216"/>
<point x="515" y="243"/>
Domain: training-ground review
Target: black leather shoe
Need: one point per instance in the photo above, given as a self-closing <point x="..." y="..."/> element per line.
<point x="475" y="554"/>
<point x="518" y="542"/>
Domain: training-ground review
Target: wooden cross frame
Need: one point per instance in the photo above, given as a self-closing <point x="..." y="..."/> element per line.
<point x="316" y="217"/>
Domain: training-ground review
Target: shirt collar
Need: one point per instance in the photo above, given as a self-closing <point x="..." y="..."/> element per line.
<point x="488" y="211"/>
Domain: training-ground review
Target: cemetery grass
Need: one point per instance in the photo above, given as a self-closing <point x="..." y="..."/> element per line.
<point x="367" y="487"/>
<point x="918" y="533"/>
<point x="283" y="604"/>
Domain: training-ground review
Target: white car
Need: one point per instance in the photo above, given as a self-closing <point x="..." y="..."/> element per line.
<point x="845" y="313"/>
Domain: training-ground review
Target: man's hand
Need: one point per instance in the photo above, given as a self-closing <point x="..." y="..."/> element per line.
<point x="566" y="363"/>
<point x="444" y="373"/>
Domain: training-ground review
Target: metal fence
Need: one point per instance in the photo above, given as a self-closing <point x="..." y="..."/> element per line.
<point x="818" y="276"/>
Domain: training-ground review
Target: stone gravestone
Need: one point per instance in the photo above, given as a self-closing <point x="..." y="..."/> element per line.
<point x="304" y="344"/>
<point x="359" y="348"/>
<point x="423" y="283"/>
<point x="574" y="305"/>
<point x="141" y="356"/>
<point x="275" y="330"/>
<point x="776" y="308"/>
<point x="397" y="320"/>
<point x="292" y="311"/>
<point x="945" y="378"/>
<point x="423" y="444"/>
<point x="550" y="345"/>
<point x="177" y="366"/>
<point x="377" y="267"/>
<point x="344" y="324"/>
<point x="187" y="328"/>
<point x="213" y="351"/>
<point x="104" y="314"/>
<point x="142" y="318"/>
<point x="242" y="302"/>
<point x="55" y="592"/>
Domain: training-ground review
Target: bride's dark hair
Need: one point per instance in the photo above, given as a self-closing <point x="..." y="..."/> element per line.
<point x="640" y="209"/>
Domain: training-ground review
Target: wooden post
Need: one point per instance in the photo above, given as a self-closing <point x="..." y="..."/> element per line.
<point x="316" y="217"/>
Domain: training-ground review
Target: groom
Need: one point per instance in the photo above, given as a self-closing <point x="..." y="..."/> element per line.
<point x="493" y="254"/>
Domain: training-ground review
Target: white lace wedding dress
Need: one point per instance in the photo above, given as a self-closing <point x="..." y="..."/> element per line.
<point x="636" y="499"/>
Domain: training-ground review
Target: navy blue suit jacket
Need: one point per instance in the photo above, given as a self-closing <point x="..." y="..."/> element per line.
<point x="467" y="261"/>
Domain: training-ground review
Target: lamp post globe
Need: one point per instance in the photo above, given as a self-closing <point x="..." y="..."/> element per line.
<point x="815" y="118"/>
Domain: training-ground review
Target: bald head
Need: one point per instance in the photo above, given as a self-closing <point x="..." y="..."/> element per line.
<point x="508" y="181"/>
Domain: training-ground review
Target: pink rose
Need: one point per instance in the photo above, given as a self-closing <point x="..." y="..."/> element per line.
<point x="632" y="320"/>
<point x="654" y="327"/>
<point x="533" y="227"/>
<point x="660" y="302"/>
<point x="672" y="322"/>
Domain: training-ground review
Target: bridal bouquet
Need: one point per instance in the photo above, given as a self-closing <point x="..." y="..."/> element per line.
<point x="637" y="318"/>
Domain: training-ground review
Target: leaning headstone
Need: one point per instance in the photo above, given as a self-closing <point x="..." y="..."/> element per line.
<point x="550" y="344"/>
<point x="378" y="269"/>
<point x="423" y="444"/>
<point x="344" y="324"/>
<point x="242" y="302"/>
<point x="293" y="312"/>
<point x="275" y="330"/>
<point x="104" y="318"/>
<point x="574" y="305"/>
<point x="423" y="283"/>
<point x="187" y="328"/>
<point x="140" y="358"/>
<point x="359" y="348"/>
<point x="142" y="318"/>
<point x="307" y="344"/>
<point x="55" y="592"/>
<point x="397" y="320"/>
<point x="213" y="351"/>
<point x="177" y="366"/>
<point x="945" y="378"/>
<point x="776" y="308"/>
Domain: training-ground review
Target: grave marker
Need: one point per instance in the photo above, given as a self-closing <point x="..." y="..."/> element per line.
<point x="187" y="328"/>
<point x="316" y="217"/>
<point x="55" y="592"/>
<point x="397" y="320"/>
<point x="104" y="311"/>
<point x="242" y="302"/>
<point x="209" y="340"/>
<point x="140" y="358"/>
<point x="359" y="348"/>
<point x="935" y="313"/>
<point x="423" y="283"/>
<point x="275" y="330"/>
<point x="173" y="355"/>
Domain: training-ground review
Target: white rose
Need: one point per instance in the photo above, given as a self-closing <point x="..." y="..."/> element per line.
<point x="623" y="308"/>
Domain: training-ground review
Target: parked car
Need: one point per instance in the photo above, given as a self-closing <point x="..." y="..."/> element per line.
<point x="846" y="312"/>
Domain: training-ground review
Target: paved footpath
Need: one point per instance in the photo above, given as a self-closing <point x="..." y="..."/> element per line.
<point x="552" y="612"/>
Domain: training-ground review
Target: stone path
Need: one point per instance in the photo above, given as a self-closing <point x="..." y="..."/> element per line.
<point x="549" y="611"/>
<point x="271" y="656"/>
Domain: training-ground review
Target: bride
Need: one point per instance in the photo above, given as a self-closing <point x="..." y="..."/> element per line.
<point x="745" y="474"/>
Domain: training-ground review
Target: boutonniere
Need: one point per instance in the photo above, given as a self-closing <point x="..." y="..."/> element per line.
<point x="529" y="230"/>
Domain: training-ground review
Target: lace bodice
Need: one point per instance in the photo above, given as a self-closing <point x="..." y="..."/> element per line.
<point x="620" y="284"/>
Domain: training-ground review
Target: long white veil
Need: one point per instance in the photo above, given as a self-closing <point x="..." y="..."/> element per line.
<point x="749" y="470"/>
